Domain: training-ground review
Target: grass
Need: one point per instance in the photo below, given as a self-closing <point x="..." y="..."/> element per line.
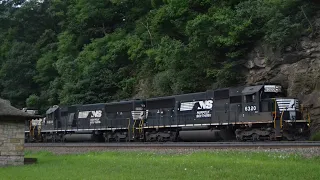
<point x="137" y="165"/>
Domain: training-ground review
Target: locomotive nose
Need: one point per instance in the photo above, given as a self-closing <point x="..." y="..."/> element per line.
<point x="286" y="104"/>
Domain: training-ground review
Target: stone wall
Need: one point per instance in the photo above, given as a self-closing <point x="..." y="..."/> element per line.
<point x="11" y="142"/>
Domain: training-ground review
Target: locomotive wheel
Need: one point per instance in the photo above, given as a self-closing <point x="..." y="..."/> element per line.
<point x="255" y="137"/>
<point x="160" y="138"/>
<point x="45" y="138"/>
<point x="239" y="138"/>
<point x="172" y="138"/>
<point x="272" y="136"/>
<point x="117" y="139"/>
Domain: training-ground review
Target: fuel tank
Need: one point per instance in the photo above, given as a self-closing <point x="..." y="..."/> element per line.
<point x="200" y="135"/>
<point x="79" y="137"/>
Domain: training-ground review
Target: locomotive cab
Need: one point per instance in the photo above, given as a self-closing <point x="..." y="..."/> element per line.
<point x="53" y="117"/>
<point x="273" y="100"/>
<point x="262" y="101"/>
<point x="269" y="99"/>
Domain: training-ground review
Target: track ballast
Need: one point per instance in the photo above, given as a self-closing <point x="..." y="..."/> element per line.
<point x="193" y="145"/>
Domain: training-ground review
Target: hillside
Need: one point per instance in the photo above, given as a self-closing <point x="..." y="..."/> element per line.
<point x="70" y="52"/>
<point x="296" y="68"/>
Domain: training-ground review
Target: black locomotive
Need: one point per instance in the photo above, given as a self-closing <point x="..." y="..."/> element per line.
<point x="258" y="112"/>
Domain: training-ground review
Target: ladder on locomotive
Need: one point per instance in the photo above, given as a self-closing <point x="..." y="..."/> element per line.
<point x="277" y="120"/>
<point x="138" y="129"/>
<point x="135" y="128"/>
<point x="305" y="113"/>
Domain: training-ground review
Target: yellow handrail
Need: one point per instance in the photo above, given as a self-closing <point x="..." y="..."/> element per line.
<point x="141" y="123"/>
<point x="281" y="119"/>
<point x="307" y="115"/>
<point x="139" y="126"/>
<point x="134" y="123"/>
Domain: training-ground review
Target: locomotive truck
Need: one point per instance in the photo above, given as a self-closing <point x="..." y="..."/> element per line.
<point x="245" y="113"/>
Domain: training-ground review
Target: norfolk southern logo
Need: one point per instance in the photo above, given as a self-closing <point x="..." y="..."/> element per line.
<point x="205" y="104"/>
<point x="288" y="104"/>
<point x="188" y="106"/>
<point x="203" y="107"/>
<point x="94" y="116"/>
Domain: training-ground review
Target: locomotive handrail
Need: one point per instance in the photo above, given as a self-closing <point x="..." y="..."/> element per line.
<point x="140" y="126"/>
<point x="134" y="123"/>
<point x="281" y="118"/>
<point x="307" y="116"/>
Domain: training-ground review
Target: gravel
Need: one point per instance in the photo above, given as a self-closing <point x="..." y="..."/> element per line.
<point x="305" y="152"/>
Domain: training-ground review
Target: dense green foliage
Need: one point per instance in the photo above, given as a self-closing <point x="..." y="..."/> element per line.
<point x="167" y="164"/>
<point x="80" y="51"/>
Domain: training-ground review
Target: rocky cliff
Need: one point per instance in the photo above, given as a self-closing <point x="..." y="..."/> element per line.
<point x="297" y="68"/>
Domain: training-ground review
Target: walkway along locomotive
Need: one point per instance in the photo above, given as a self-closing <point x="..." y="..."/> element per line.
<point x="242" y="113"/>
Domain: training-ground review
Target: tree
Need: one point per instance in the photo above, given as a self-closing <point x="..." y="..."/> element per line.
<point x="74" y="52"/>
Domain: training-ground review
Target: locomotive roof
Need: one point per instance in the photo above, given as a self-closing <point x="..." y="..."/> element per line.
<point x="251" y="89"/>
<point x="6" y="110"/>
<point x="95" y="104"/>
<point x="192" y="94"/>
<point x="179" y="95"/>
<point x="160" y="98"/>
<point x="130" y="101"/>
<point x="236" y="91"/>
<point x="51" y="110"/>
<point x="92" y="106"/>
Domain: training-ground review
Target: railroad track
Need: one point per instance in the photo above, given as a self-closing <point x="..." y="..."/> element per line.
<point x="193" y="145"/>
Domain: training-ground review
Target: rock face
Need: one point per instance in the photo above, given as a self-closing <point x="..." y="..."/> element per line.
<point x="297" y="69"/>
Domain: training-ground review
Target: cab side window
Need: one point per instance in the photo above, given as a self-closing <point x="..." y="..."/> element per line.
<point x="50" y="116"/>
<point x="249" y="98"/>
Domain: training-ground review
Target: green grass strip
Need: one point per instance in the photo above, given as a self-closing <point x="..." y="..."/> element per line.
<point x="152" y="165"/>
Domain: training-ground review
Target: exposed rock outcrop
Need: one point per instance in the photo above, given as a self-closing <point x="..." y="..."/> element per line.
<point x="297" y="69"/>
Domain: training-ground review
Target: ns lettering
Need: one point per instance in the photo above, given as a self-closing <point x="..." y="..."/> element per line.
<point x="94" y="114"/>
<point x="205" y="104"/>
